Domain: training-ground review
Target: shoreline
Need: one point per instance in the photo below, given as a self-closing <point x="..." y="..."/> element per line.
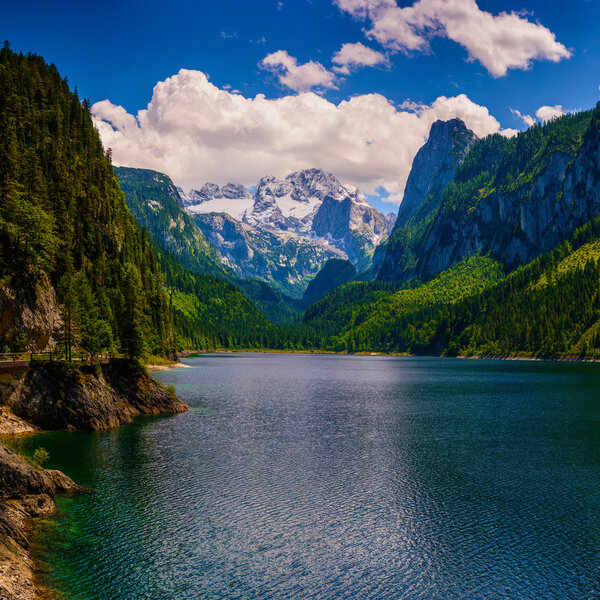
<point x="153" y="368"/>
<point x="32" y="499"/>
<point x="27" y="489"/>
<point x="565" y="358"/>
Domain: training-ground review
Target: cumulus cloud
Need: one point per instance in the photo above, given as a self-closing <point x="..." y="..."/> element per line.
<point x="527" y="119"/>
<point x="547" y="113"/>
<point x="196" y="132"/>
<point x="352" y="56"/>
<point x="299" y="78"/>
<point x="543" y="113"/>
<point x="499" y="42"/>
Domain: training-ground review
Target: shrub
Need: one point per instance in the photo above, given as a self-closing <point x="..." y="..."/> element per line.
<point x="40" y="456"/>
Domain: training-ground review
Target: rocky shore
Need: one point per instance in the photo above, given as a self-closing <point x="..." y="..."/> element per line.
<point x="54" y="395"/>
<point x="26" y="492"/>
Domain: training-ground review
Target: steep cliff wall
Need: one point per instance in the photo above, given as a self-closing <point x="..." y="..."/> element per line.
<point x="510" y="198"/>
<point x="517" y="216"/>
<point x="29" y="317"/>
<point x="434" y="166"/>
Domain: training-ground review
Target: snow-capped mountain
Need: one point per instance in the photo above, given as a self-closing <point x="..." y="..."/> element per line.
<point x="290" y="204"/>
<point x="312" y="204"/>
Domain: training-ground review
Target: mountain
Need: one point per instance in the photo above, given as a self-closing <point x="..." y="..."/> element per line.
<point x="156" y="205"/>
<point x="511" y="198"/>
<point x="508" y="202"/>
<point x="290" y="228"/>
<point x="284" y="259"/>
<point x="432" y="170"/>
<point x="517" y="198"/>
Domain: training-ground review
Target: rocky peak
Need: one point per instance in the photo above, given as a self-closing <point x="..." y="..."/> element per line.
<point x="265" y="210"/>
<point x="290" y="204"/>
<point x="434" y="165"/>
<point x="390" y="219"/>
<point x="312" y="183"/>
<point x="212" y="191"/>
<point x="234" y="191"/>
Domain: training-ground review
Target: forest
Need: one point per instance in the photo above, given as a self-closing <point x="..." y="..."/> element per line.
<point x="122" y="289"/>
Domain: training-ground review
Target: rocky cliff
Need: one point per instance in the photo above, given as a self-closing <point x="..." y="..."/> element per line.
<point x="511" y="198"/>
<point x="432" y="170"/>
<point x="26" y="492"/>
<point x="55" y="395"/>
<point x="349" y="223"/>
<point x="434" y="165"/>
<point x="545" y="185"/>
<point x="29" y="316"/>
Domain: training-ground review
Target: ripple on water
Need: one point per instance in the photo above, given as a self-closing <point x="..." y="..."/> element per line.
<point x="322" y="477"/>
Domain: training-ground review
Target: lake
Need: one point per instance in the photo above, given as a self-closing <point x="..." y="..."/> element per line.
<point x="326" y="477"/>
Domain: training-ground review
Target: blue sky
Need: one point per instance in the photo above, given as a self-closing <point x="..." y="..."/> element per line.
<point x="118" y="51"/>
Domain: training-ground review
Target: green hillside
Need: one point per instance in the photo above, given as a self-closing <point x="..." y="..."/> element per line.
<point x="155" y="204"/>
<point x="64" y="224"/>
<point x="364" y="316"/>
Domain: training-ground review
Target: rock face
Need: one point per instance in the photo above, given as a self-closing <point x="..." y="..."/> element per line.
<point x="347" y="221"/>
<point x="18" y="478"/>
<point x="292" y="227"/>
<point x="516" y="226"/>
<point x="434" y="165"/>
<point x="515" y="200"/>
<point x="31" y="316"/>
<point x="432" y="170"/>
<point x="60" y="396"/>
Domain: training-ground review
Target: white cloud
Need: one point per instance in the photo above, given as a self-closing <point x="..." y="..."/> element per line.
<point x="499" y="42"/>
<point x="299" y="78"/>
<point x="527" y="119"/>
<point x="351" y="56"/>
<point x="196" y="132"/>
<point x="228" y="34"/>
<point x="547" y="113"/>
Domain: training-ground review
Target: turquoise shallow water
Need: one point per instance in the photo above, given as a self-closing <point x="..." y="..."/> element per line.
<point x="324" y="477"/>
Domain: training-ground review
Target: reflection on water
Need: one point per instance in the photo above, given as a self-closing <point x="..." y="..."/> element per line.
<point x="321" y="477"/>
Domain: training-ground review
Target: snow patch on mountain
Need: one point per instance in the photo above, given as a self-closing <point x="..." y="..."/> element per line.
<point x="233" y="199"/>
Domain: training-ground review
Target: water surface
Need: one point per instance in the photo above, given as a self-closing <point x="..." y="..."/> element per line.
<point x="322" y="477"/>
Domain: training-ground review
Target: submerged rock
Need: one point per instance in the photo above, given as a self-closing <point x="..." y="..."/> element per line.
<point x="25" y="492"/>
